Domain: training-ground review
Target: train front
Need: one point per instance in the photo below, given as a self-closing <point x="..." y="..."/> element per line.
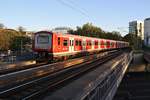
<point x="42" y="46"/>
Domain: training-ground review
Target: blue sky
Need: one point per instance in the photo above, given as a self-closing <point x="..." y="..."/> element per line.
<point x="46" y="14"/>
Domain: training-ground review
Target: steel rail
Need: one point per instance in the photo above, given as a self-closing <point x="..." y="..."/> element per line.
<point x="35" y="87"/>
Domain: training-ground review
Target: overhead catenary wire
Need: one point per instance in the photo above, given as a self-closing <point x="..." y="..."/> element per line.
<point x="79" y="7"/>
<point x="72" y="5"/>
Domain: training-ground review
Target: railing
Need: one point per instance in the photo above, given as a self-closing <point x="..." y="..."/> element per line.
<point x="8" y="59"/>
<point x="107" y="88"/>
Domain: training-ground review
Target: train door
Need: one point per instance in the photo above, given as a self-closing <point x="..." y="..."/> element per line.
<point x="93" y="44"/>
<point x="71" y="46"/>
<point x="84" y="44"/>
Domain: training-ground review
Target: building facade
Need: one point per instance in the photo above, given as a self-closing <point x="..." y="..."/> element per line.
<point x="61" y="29"/>
<point x="137" y="28"/>
<point x="29" y="34"/>
<point x="147" y="32"/>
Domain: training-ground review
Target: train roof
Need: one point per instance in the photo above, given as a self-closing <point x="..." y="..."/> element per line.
<point x="76" y="36"/>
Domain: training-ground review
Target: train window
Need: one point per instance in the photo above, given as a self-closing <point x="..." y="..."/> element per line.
<point x="112" y="44"/>
<point x="76" y="42"/>
<point x="58" y="40"/>
<point x="65" y="43"/>
<point x="43" y="39"/>
<point x="96" y="43"/>
<point x="90" y="43"/>
<point x="70" y="43"/>
<point x="108" y="43"/>
<point x="79" y="43"/>
<point x="103" y="43"/>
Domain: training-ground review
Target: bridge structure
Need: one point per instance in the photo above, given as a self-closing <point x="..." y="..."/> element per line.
<point x="99" y="84"/>
<point x="94" y="77"/>
<point x="136" y="82"/>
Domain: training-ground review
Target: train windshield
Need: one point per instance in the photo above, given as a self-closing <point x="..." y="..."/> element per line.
<point x="43" y="39"/>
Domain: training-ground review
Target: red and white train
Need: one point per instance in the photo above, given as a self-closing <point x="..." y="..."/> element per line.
<point x="53" y="45"/>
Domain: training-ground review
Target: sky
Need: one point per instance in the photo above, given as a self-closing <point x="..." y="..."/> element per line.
<point x="35" y="15"/>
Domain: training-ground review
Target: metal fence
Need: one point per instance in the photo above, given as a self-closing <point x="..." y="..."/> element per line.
<point x="108" y="87"/>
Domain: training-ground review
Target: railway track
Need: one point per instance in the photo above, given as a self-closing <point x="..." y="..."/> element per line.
<point x="35" y="87"/>
<point x="19" y="77"/>
<point x="24" y="67"/>
<point x="18" y="68"/>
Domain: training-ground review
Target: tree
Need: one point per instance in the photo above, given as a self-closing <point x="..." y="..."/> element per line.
<point x="1" y="26"/>
<point x="21" y="30"/>
<point x="130" y="38"/>
<point x="134" y="40"/>
<point x="19" y="42"/>
<point x="14" y="40"/>
<point x="6" y="38"/>
<point x="88" y="30"/>
<point x="114" y="35"/>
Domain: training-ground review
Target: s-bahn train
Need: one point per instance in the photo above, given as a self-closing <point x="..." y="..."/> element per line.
<point x="53" y="46"/>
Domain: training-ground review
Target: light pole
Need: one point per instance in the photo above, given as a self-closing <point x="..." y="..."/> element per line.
<point x="21" y="45"/>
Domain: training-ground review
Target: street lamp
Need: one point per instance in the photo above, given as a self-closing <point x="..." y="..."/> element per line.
<point x="21" y="45"/>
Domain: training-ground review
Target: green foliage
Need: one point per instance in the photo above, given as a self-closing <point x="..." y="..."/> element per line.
<point x="93" y="31"/>
<point x="129" y="38"/>
<point x="11" y="39"/>
<point x="6" y="38"/>
<point x="135" y="41"/>
<point x="146" y="48"/>
<point x="87" y="30"/>
<point x="113" y="35"/>
<point x="19" y="42"/>
<point x="21" y="30"/>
